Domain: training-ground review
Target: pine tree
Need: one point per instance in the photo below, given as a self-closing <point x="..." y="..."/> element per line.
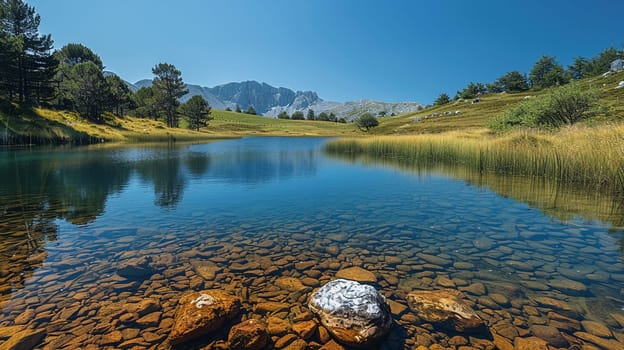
<point x="28" y="67"/>
<point x="120" y="95"/>
<point x="168" y="88"/>
<point x="442" y="99"/>
<point x="546" y="73"/>
<point x="197" y="112"/>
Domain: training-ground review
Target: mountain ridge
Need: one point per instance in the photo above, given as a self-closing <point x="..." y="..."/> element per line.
<point x="269" y="101"/>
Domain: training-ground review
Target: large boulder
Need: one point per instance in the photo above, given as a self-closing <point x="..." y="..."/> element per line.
<point x="354" y="313"/>
<point x="200" y="313"/>
<point x="445" y="308"/>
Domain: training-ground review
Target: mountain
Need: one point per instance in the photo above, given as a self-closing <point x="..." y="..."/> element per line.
<point x="268" y="100"/>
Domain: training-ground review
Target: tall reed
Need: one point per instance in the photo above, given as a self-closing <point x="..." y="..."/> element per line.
<point x="592" y="157"/>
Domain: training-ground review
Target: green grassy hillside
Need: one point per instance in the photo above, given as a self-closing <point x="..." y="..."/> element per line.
<point x="43" y="126"/>
<point x="479" y="114"/>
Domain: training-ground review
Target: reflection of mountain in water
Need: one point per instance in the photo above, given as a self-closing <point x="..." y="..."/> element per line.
<point x="263" y="159"/>
<point x="255" y="167"/>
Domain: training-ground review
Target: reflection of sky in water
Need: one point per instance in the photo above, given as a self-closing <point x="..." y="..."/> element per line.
<point x="186" y="195"/>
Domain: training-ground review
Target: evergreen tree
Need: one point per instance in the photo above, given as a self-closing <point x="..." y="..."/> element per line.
<point x="298" y="115"/>
<point x="324" y="117"/>
<point x="332" y="117"/>
<point x="580" y="68"/>
<point x="197" y="112"/>
<point x="310" y="115"/>
<point x="72" y="54"/>
<point x="602" y="63"/>
<point x="472" y="90"/>
<point x="251" y="110"/>
<point x="283" y="115"/>
<point x="168" y="88"/>
<point x="238" y="109"/>
<point x="27" y="66"/>
<point x="119" y="94"/>
<point x="144" y="103"/>
<point x="442" y="99"/>
<point x="546" y="73"/>
<point x="513" y="81"/>
<point x="88" y="90"/>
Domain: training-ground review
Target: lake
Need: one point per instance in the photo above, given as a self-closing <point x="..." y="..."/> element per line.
<point x="535" y="259"/>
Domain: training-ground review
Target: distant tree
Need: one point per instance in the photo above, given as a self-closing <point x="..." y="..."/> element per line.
<point x="145" y="103"/>
<point x="366" y="121"/>
<point x="381" y="114"/>
<point x="283" y="115"/>
<point x="513" y="81"/>
<point x="494" y="87"/>
<point x="238" y="109"/>
<point x="442" y="99"/>
<point x="602" y="62"/>
<point x="472" y="90"/>
<point x="228" y="109"/>
<point x="324" y="117"/>
<point x="119" y="94"/>
<point x="310" y="115"/>
<point x="332" y="117"/>
<point x="88" y="90"/>
<point x="251" y="110"/>
<point x="168" y="88"/>
<point x="547" y="73"/>
<point x="342" y="120"/>
<point x="197" y="112"/>
<point x="72" y="54"/>
<point x="580" y="68"/>
<point x="298" y="115"/>
<point x="27" y="65"/>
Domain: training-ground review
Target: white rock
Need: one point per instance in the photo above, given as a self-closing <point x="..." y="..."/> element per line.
<point x="355" y="314"/>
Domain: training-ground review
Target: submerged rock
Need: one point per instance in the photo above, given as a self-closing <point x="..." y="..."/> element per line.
<point x="248" y="335"/>
<point x="355" y="314"/>
<point x="446" y="308"/>
<point x="200" y="313"/>
<point x="136" y="268"/>
<point x="357" y="274"/>
<point x="25" y="339"/>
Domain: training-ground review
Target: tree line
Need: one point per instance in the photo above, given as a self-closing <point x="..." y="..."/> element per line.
<point x="545" y="73"/>
<point x="73" y="77"/>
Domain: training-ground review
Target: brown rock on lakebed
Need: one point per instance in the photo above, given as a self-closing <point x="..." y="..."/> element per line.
<point x="445" y="307"/>
<point x="25" y="339"/>
<point x="358" y="274"/>
<point x="248" y="335"/>
<point x="200" y="313"/>
<point x="291" y="284"/>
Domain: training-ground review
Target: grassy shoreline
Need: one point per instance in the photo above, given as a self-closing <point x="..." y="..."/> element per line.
<point x="592" y="157"/>
<point x="23" y="126"/>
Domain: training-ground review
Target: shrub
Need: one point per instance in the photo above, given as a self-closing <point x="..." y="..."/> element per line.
<point x="367" y="121"/>
<point x="563" y="106"/>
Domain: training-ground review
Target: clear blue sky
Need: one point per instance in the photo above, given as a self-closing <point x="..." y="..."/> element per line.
<point x="391" y="50"/>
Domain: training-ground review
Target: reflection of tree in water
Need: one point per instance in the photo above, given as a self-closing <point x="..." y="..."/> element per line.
<point x="36" y="192"/>
<point x="166" y="175"/>
<point x="197" y="163"/>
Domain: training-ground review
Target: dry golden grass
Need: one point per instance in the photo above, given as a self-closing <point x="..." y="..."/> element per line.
<point x="592" y="157"/>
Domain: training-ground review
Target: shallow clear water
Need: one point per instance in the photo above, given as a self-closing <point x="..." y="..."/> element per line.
<point x="257" y="209"/>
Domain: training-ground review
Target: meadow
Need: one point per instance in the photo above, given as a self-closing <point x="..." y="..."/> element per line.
<point x="589" y="153"/>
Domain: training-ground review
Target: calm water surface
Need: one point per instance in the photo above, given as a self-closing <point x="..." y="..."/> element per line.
<point x="526" y="253"/>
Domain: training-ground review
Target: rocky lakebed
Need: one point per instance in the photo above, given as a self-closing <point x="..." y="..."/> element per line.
<point x="372" y="288"/>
